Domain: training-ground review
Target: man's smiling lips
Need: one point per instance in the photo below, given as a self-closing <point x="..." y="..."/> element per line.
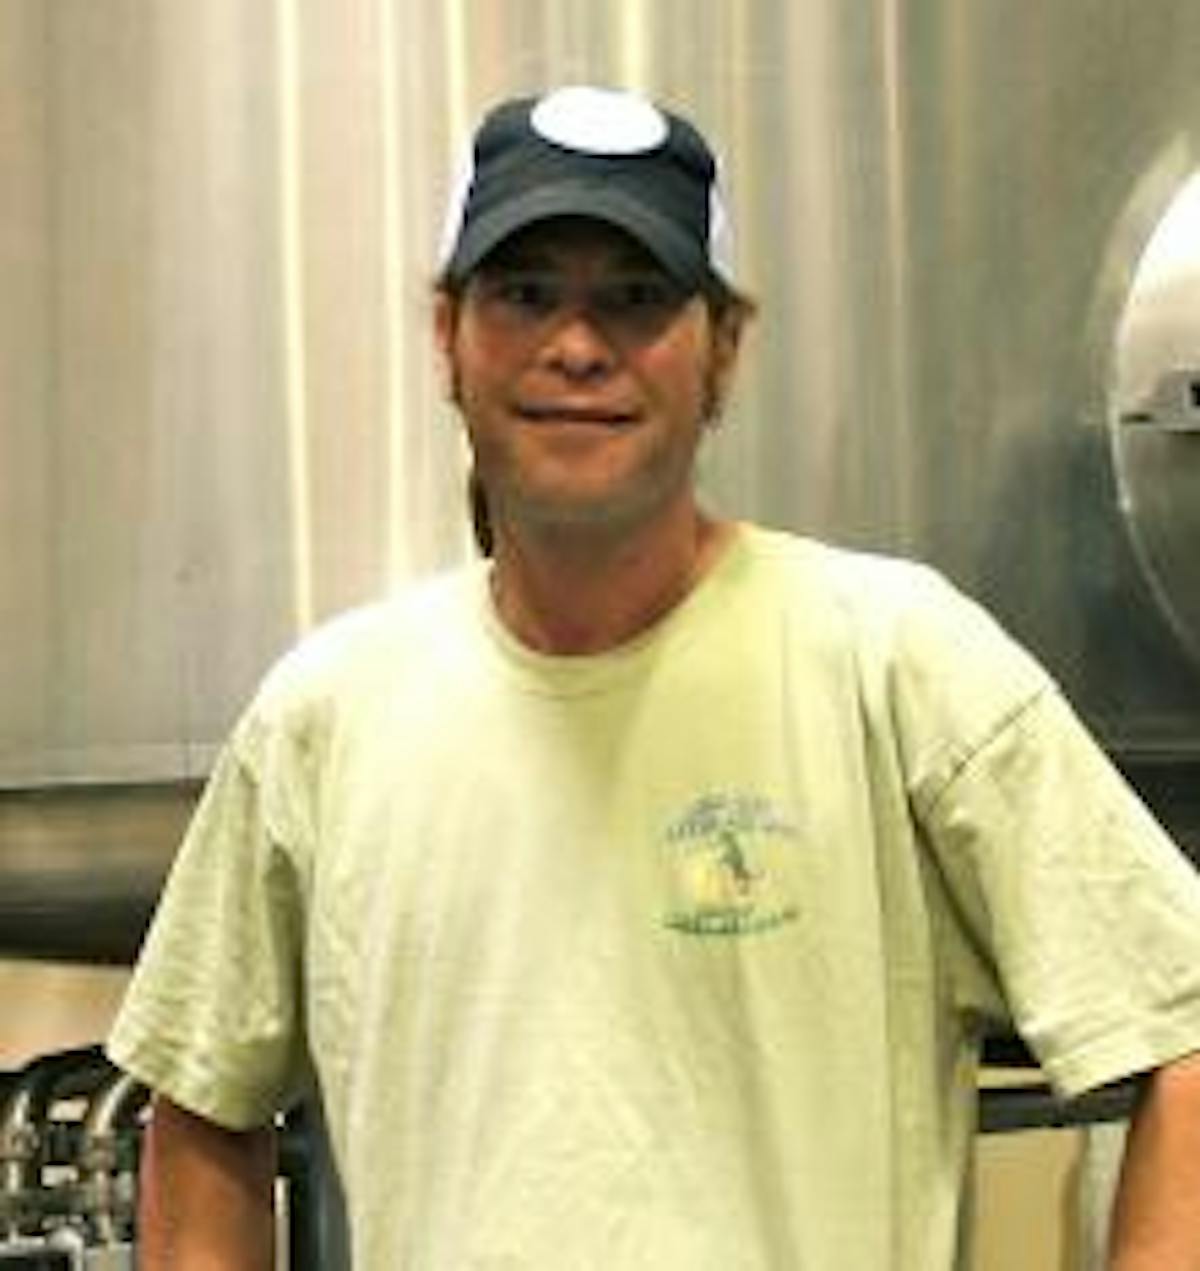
<point x="574" y="413"/>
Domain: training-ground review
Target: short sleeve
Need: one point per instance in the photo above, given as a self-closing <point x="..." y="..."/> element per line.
<point x="1063" y="888"/>
<point x="212" y="1017"/>
<point x="1088" y="912"/>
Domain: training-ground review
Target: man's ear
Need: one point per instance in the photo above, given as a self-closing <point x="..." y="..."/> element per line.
<point x="728" y="327"/>
<point x="445" y="327"/>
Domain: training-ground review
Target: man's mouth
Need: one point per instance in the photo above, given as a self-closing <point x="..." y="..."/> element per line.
<point x="574" y="413"/>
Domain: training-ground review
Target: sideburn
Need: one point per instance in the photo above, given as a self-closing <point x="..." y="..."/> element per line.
<point x="481" y="517"/>
<point x="477" y="501"/>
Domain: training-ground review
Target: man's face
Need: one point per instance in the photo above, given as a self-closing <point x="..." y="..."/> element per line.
<point x="584" y="374"/>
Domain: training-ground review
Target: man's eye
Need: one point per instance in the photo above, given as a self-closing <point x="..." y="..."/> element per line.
<point x="533" y="295"/>
<point x="642" y="295"/>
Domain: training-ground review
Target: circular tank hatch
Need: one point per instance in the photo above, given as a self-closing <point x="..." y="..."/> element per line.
<point x="1155" y="415"/>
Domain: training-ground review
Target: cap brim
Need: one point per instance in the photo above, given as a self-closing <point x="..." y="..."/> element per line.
<point x="674" y="250"/>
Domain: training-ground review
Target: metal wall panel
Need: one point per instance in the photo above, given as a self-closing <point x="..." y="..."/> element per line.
<point x="222" y="420"/>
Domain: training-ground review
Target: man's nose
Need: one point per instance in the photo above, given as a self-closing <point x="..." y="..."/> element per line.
<point x="578" y="346"/>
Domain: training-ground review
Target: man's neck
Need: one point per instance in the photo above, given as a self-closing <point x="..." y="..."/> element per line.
<point x="573" y="594"/>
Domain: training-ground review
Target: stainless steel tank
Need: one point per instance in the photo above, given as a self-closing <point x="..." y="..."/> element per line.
<point x="221" y="420"/>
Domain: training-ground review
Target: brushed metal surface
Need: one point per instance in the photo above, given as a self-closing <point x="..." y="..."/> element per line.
<point x="227" y="421"/>
<point x="81" y="868"/>
<point x="221" y="418"/>
<point x="1161" y="470"/>
<point x="1156" y="416"/>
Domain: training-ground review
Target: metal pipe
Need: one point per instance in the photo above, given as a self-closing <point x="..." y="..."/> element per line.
<point x="21" y="1131"/>
<point x="35" y="1250"/>
<point x="112" y="1109"/>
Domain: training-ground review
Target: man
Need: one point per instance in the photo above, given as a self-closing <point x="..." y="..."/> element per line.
<point x="638" y="898"/>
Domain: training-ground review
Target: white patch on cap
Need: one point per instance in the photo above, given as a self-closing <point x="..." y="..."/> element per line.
<point x="720" y="235"/>
<point x="599" y="121"/>
<point x="456" y="208"/>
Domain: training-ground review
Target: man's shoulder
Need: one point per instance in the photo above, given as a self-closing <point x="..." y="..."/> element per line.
<point x="855" y="579"/>
<point x="354" y="652"/>
<point x="894" y="610"/>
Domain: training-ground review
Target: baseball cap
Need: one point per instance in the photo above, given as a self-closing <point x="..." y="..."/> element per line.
<point x="605" y="154"/>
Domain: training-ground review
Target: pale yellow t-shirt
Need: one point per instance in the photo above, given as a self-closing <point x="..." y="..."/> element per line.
<point x="675" y="957"/>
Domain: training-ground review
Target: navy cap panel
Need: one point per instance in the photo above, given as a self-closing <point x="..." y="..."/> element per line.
<point x="591" y="152"/>
<point x="674" y="250"/>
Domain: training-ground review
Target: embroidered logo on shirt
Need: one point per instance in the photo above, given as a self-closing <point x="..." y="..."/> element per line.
<point x="725" y="855"/>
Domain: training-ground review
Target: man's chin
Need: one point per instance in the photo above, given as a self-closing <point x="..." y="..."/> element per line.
<point x="578" y="510"/>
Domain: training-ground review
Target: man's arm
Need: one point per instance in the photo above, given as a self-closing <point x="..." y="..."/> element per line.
<point x="206" y="1195"/>
<point x="1156" y="1217"/>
